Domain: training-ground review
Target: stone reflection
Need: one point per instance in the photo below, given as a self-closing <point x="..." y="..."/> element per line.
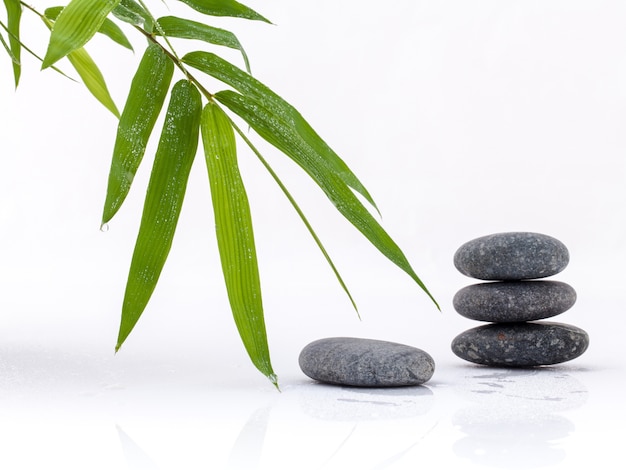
<point x="135" y="457"/>
<point x="329" y="402"/>
<point x="513" y="420"/>
<point x="247" y="450"/>
<point x="366" y="427"/>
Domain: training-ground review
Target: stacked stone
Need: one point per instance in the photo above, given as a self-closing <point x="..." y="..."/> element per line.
<point x="513" y="300"/>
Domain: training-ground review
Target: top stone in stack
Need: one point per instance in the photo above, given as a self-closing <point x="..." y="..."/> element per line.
<point x="512" y="256"/>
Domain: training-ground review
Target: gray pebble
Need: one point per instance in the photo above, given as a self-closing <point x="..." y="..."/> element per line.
<point x="514" y="301"/>
<point x="511" y="256"/>
<point x="365" y="363"/>
<point x="521" y="344"/>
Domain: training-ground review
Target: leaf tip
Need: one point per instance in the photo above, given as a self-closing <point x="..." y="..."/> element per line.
<point x="274" y="379"/>
<point x="434" y="301"/>
<point x="49" y="60"/>
<point x="16" y="76"/>
<point x="114" y="110"/>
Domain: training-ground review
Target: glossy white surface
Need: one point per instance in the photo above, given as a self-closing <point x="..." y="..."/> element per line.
<point x="74" y="407"/>
<point x="462" y="118"/>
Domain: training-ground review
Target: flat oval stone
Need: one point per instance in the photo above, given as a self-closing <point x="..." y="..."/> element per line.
<point x="514" y="301"/>
<point x="511" y="256"/>
<point x="521" y="344"/>
<point x="365" y="363"/>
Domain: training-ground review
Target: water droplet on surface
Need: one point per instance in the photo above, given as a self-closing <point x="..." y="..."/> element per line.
<point x="104" y="228"/>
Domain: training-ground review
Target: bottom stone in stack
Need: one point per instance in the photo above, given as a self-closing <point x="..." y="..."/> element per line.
<point x="524" y="344"/>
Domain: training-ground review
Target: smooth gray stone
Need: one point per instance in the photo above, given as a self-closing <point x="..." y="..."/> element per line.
<point x="521" y="344"/>
<point x="514" y="301"/>
<point x="511" y="256"/>
<point x="365" y="363"/>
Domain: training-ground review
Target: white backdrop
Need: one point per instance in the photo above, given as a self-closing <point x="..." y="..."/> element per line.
<point x="462" y="118"/>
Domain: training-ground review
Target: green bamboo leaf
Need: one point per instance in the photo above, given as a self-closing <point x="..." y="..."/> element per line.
<point x="187" y="29"/>
<point x="224" y="8"/>
<point x="235" y="238"/>
<point x="143" y="106"/>
<point x="92" y="78"/>
<point x="131" y="12"/>
<point x="14" y="16"/>
<point x="280" y="133"/>
<point x="75" y="26"/>
<point x="114" y="32"/>
<point x="164" y="199"/>
<point x="89" y="73"/>
<point x="323" y="155"/>
<point x="108" y="28"/>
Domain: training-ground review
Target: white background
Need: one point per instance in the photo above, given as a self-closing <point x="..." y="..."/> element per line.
<point x="462" y="118"/>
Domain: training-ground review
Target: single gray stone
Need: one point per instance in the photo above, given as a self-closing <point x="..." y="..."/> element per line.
<point x="521" y="344"/>
<point x="511" y="256"/>
<point x="365" y="363"/>
<point x="514" y="301"/>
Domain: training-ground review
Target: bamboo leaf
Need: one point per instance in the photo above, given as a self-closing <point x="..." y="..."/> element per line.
<point x="52" y="13"/>
<point x="92" y="78"/>
<point x="14" y="16"/>
<point x="89" y="73"/>
<point x="281" y="133"/>
<point x="131" y="12"/>
<point x="143" y="106"/>
<point x="115" y="33"/>
<point x="322" y="154"/>
<point x="108" y="28"/>
<point x="164" y="199"/>
<point x="235" y="238"/>
<point x="224" y="8"/>
<point x="76" y="25"/>
<point x="187" y="29"/>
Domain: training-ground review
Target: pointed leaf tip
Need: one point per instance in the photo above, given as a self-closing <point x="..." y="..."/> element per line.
<point x="92" y="78"/>
<point x="274" y="379"/>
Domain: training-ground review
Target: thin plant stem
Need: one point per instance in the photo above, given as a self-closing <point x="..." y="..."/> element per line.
<point x="208" y="95"/>
<point x="297" y="209"/>
<point x="165" y="38"/>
